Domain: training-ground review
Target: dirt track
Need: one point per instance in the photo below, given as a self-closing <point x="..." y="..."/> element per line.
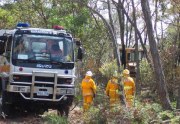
<point x="75" y="117"/>
<point x="22" y="119"/>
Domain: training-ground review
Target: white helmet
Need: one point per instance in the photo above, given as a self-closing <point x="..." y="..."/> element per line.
<point x="89" y="73"/>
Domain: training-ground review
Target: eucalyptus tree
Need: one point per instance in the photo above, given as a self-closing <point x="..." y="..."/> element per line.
<point x="167" y="20"/>
<point x="172" y="38"/>
<point x="6" y="19"/>
<point x="108" y="25"/>
<point x="162" y="89"/>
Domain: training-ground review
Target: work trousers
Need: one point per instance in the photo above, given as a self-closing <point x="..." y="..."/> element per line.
<point x="87" y="102"/>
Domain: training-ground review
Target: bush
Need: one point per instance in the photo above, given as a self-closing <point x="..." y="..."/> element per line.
<point x="146" y="74"/>
<point x="108" y="69"/>
<point x="146" y="113"/>
<point x="55" y="119"/>
<point x="140" y="114"/>
<point x="94" y="116"/>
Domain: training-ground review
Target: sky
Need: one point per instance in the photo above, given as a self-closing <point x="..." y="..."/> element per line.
<point x="104" y="13"/>
<point x="140" y="21"/>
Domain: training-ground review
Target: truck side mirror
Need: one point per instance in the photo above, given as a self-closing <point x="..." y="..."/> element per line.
<point x="5" y="43"/>
<point x="80" y="54"/>
<point x="2" y="44"/>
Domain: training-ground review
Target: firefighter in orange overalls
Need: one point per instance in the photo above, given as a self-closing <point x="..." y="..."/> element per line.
<point x="88" y="87"/>
<point x="128" y="88"/>
<point x="112" y="90"/>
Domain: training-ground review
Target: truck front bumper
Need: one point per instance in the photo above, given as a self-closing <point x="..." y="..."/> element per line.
<point x="42" y="93"/>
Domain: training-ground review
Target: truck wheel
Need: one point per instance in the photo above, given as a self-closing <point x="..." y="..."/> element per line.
<point x="63" y="110"/>
<point x="5" y="106"/>
<point x="39" y="111"/>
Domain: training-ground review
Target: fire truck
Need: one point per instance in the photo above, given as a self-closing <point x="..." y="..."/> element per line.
<point x="33" y="78"/>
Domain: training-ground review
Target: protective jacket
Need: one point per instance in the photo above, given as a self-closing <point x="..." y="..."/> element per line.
<point x="129" y="87"/>
<point x="112" y="90"/>
<point x="88" y="91"/>
<point x="129" y="90"/>
<point x="88" y="86"/>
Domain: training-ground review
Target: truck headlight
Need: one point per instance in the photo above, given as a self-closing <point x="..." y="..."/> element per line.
<point x="62" y="91"/>
<point x="70" y="91"/>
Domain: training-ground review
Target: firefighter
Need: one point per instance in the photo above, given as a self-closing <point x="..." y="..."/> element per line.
<point x="3" y="60"/>
<point x="4" y="64"/>
<point x="56" y="52"/>
<point x="112" y="90"/>
<point x="20" y="47"/>
<point x="88" y="87"/>
<point x="128" y="88"/>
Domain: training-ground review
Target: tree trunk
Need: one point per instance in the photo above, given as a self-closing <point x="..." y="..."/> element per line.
<point x="178" y="62"/>
<point x="135" y="27"/>
<point x="155" y="22"/>
<point x="111" y="23"/>
<point x="121" y="23"/>
<point x="159" y="73"/>
<point x="136" y="51"/>
<point x="110" y="31"/>
<point x="178" y="99"/>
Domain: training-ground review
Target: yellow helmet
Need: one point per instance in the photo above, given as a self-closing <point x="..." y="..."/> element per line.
<point x="125" y="72"/>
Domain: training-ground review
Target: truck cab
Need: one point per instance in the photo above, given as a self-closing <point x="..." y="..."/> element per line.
<point x="40" y="73"/>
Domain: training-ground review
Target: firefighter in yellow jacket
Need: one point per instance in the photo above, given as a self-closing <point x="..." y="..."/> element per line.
<point x="88" y="90"/>
<point x="129" y="88"/>
<point x="112" y="90"/>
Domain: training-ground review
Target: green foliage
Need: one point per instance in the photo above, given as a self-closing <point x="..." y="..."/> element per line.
<point x="146" y="73"/>
<point x="6" y="19"/>
<point x="109" y="68"/>
<point x="101" y="100"/>
<point x="166" y="115"/>
<point x="81" y="19"/>
<point x="94" y="116"/>
<point x="141" y="114"/>
<point x="146" y="113"/>
<point x="55" y="119"/>
<point x="169" y="58"/>
<point x="175" y="120"/>
<point x="169" y="115"/>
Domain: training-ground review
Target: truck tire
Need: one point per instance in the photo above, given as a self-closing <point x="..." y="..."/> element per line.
<point x="5" y="106"/>
<point x="63" y="110"/>
<point x="0" y="85"/>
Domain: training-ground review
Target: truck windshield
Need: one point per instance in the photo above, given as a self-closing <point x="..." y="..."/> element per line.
<point x="42" y="48"/>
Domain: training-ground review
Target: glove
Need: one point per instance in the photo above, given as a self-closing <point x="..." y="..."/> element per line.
<point x="94" y="95"/>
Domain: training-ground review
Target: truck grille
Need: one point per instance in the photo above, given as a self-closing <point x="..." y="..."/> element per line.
<point x="42" y="86"/>
<point x="28" y="79"/>
<point x="44" y="79"/>
<point x="22" y="78"/>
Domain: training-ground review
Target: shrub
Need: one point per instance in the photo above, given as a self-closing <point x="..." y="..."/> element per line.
<point x="55" y="119"/>
<point x="94" y="116"/>
<point x="146" y="74"/>
<point x="108" y="69"/>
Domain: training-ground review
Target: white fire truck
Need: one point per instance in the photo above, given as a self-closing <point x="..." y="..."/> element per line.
<point x="36" y="78"/>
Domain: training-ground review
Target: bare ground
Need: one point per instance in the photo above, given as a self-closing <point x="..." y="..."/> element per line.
<point x="75" y="117"/>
